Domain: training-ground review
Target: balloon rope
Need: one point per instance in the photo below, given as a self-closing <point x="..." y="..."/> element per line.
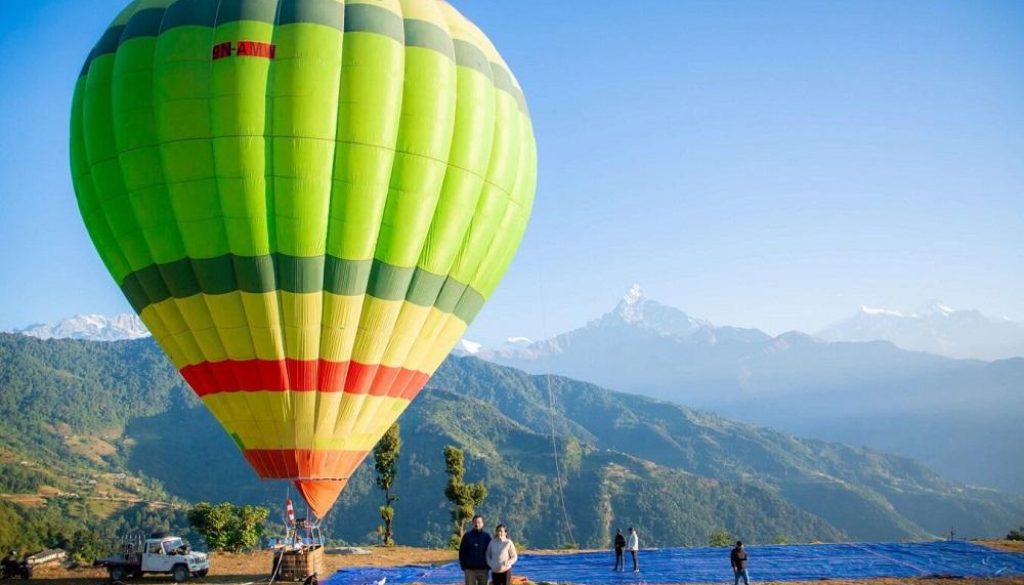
<point x="551" y="404"/>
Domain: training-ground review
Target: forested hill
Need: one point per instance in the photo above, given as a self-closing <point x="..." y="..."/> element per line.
<point x="77" y="414"/>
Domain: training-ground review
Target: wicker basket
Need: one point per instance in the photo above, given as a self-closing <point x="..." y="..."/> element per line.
<point x="296" y="565"/>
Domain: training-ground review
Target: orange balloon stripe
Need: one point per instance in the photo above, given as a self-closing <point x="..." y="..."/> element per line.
<point x="304" y="463"/>
<point x="303" y="376"/>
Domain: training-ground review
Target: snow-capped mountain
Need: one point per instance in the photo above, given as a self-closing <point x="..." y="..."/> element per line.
<point x="635" y="309"/>
<point x="634" y="317"/>
<point x="934" y="328"/>
<point x="91" y="327"/>
<point x="511" y="346"/>
<point x="466" y="347"/>
<point x="871" y="393"/>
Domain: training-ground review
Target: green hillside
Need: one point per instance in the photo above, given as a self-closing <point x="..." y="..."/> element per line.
<point x="89" y="416"/>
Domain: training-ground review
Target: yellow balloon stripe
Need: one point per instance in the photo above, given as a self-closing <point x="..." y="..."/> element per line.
<point x="266" y="420"/>
<point x="331" y="327"/>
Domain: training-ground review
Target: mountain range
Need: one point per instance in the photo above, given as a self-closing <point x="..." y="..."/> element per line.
<point x="101" y="419"/>
<point x="934" y="328"/>
<point x="959" y="416"/>
<point x="92" y="327"/>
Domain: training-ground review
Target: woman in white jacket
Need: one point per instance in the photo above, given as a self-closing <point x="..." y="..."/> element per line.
<point x="501" y="555"/>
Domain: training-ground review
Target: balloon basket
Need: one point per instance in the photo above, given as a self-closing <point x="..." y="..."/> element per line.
<point x="295" y="564"/>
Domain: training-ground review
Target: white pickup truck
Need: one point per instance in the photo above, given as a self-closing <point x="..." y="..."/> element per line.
<point x="168" y="555"/>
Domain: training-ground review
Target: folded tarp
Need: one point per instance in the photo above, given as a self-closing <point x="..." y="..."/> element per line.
<point x="706" y="565"/>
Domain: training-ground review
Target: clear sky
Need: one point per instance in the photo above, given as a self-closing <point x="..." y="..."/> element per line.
<point x="766" y="164"/>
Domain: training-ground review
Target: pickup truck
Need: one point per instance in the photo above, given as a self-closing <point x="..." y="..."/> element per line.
<point x="167" y="555"/>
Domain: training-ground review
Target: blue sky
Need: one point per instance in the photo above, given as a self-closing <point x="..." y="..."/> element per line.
<point x="765" y="164"/>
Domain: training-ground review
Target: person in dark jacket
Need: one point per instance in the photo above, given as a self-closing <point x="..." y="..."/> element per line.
<point x="738" y="559"/>
<point x="620" y="548"/>
<point x="473" y="553"/>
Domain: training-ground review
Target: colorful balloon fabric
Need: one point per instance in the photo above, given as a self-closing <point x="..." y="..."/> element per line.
<point x="307" y="202"/>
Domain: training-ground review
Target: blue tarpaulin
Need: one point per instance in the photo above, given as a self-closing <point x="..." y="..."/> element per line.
<point x="706" y="565"/>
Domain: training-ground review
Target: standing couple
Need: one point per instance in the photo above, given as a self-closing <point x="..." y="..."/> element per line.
<point x="633" y="544"/>
<point x="479" y="553"/>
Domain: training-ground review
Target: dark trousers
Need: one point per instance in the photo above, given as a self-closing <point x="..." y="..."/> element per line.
<point x="636" y="565"/>
<point x="501" y="578"/>
<point x="620" y="559"/>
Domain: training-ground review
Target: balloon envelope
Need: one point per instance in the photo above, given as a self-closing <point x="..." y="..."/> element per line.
<point x="307" y="202"/>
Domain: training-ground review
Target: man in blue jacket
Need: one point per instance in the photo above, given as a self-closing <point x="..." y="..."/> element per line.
<point x="473" y="553"/>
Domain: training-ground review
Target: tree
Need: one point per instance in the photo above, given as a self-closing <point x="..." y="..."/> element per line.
<point x="719" y="537"/>
<point x="228" y="527"/>
<point x="385" y="461"/>
<point x="212" y="522"/>
<point x="248" y="527"/>
<point x="1015" y="534"/>
<point x="465" y="497"/>
<point x="86" y="546"/>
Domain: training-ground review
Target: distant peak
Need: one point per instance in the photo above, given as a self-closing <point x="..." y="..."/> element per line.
<point x="518" y="340"/>
<point x="91" y="327"/>
<point x="872" y="311"/>
<point x="634" y="296"/>
<point x="471" y="347"/>
<point x="934" y="307"/>
<point x="631" y="307"/>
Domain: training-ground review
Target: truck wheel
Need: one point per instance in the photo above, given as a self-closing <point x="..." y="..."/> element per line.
<point x="117" y="573"/>
<point x="202" y="573"/>
<point x="179" y="573"/>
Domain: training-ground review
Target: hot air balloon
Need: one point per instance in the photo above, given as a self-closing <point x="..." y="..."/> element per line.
<point x="307" y="202"/>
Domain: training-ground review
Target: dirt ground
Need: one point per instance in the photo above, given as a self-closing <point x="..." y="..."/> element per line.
<point x="254" y="568"/>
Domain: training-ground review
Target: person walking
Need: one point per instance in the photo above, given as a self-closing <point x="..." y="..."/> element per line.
<point x="473" y="553"/>
<point x="620" y="547"/>
<point x="633" y="544"/>
<point x="738" y="559"/>
<point x="501" y="555"/>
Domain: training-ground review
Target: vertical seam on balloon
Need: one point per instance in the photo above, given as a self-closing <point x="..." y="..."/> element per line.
<point x="365" y="411"/>
<point x="487" y="264"/>
<point x="170" y="341"/>
<point x="235" y="296"/>
<point x="446" y="319"/>
<point x="396" y="388"/>
<point x="327" y="238"/>
<point x="352" y="417"/>
<point x="91" y="162"/>
<point x="253" y="412"/>
<point x="271" y="106"/>
<point x="175" y="224"/>
<point x="91" y="178"/>
<point x="491" y="249"/>
<point x="102" y="208"/>
<point x="216" y="182"/>
<point x="205" y="302"/>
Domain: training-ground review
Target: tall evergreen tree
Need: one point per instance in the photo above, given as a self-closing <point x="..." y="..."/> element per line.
<point x="385" y="461"/>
